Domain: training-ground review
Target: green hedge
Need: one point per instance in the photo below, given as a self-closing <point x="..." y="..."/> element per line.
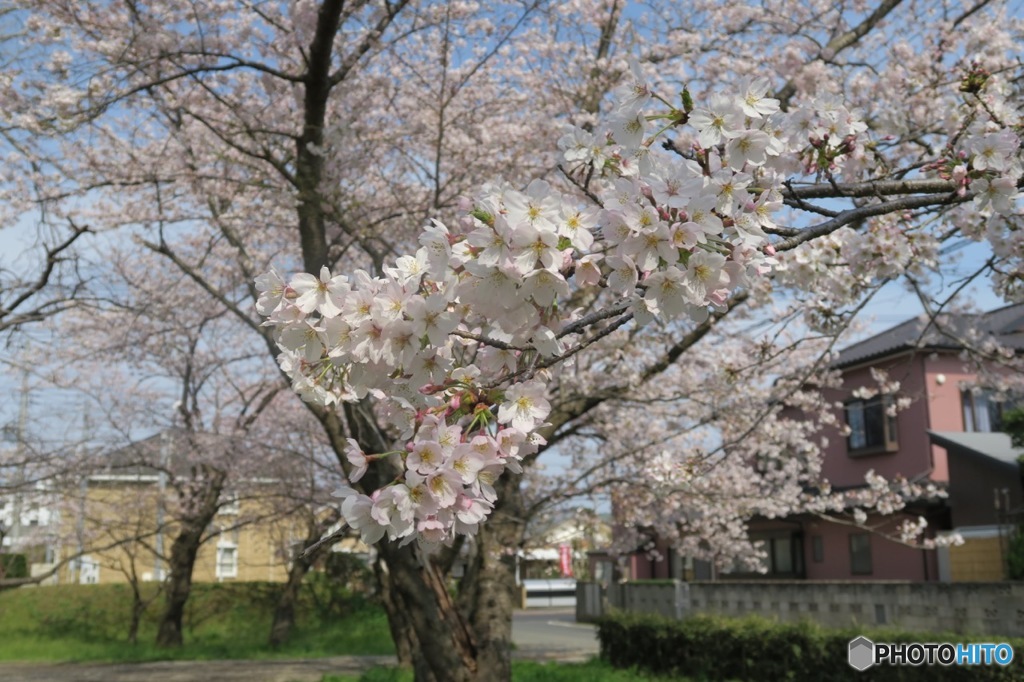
<point x="715" y="648"/>
<point x="13" y="566"/>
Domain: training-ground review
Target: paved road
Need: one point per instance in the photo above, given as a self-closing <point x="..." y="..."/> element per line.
<point x="539" y="634"/>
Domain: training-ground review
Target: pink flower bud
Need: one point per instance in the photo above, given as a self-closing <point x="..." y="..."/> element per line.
<point x="567" y="261"/>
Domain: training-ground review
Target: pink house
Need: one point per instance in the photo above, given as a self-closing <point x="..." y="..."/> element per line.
<point x="948" y="435"/>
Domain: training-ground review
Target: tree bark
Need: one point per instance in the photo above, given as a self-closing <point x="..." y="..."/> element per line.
<point x="402" y="632"/>
<point x="431" y="633"/>
<point x="179" y="585"/>
<point x="463" y="640"/>
<point x="138" y="608"/>
<point x="488" y="593"/>
<point x="423" y="612"/>
<point x="284" y="611"/>
<point x="183" y="559"/>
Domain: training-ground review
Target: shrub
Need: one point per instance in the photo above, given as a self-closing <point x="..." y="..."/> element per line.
<point x="716" y="648"/>
<point x="1015" y="554"/>
<point x="13" y="566"/>
<point x="339" y="591"/>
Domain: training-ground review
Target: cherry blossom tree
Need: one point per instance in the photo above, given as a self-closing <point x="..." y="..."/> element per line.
<point x="219" y="421"/>
<point x="664" y="174"/>
<point x="38" y="259"/>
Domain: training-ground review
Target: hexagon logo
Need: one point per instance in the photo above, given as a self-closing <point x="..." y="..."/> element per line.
<point x="862" y="653"/>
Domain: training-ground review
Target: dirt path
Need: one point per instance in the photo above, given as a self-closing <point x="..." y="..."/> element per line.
<point x="311" y="670"/>
<point x="305" y="670"/>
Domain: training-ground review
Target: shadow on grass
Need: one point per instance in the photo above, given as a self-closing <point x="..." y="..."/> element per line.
<point x="223" y="621"/>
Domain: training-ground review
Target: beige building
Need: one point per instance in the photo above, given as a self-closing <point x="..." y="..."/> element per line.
<point x="115" y="526"/>
<point x="119" y="524"/>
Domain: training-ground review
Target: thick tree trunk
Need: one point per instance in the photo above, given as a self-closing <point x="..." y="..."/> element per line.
<point x="421" y="611"/>
<point x="488" y="593"/>
<point x="465" y="641"/>
<point x="179" y="585"/>
<point x="402" y="633"/>
<point x="183" y="559"/>
<point x="284" y="612"/>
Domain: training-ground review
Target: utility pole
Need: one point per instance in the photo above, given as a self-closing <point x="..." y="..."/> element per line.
<point x="158" y="569"/>
<point x="83" y="492"/>
<point x="21" y="457"/>
<point x="165" y="456"/>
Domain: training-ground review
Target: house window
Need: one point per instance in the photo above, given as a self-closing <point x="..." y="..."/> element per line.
<point x="230" y="505"/>
<point x="983" y="411"/>
<point x="782" y="555"/>
<point x="860" y="554"/>
<point x="785" y="553"/>
<point x="227" y="560"/>
<point x="88" y="570"/>
<point x="817" y="548"/>
<point x="872" y="426"/>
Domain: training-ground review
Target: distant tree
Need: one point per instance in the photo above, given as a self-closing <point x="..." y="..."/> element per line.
<point x="1015" y="554"/>
<point x="1013" y="424"/>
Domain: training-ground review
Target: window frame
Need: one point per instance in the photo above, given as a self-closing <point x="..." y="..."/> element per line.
<point x="219" y="564"/>
<point x="994" y="409"/>
<point x="772" y="542"/>
<point x="231" y="506"/>
<point x="817" y="549"/>
<point x="890" y="441"/>
<point x="88" y="570"/>
<point x="858" y="568"/>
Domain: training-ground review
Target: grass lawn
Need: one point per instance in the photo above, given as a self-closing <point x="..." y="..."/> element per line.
<point x="527" y="671"/>
<point x="223" y="621"/>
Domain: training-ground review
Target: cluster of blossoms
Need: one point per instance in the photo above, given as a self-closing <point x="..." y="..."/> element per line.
<point x="987" y="163"/>
<point x="448" y="483"/>
<point x="985" y="156"/>
<point x="982" y="159"/>
<point x="455" y="340"/>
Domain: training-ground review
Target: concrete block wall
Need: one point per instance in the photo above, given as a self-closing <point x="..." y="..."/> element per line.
<point x="995" y="608"/>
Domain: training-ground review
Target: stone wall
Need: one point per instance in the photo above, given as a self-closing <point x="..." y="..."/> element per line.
<point x="995" y="608"/>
